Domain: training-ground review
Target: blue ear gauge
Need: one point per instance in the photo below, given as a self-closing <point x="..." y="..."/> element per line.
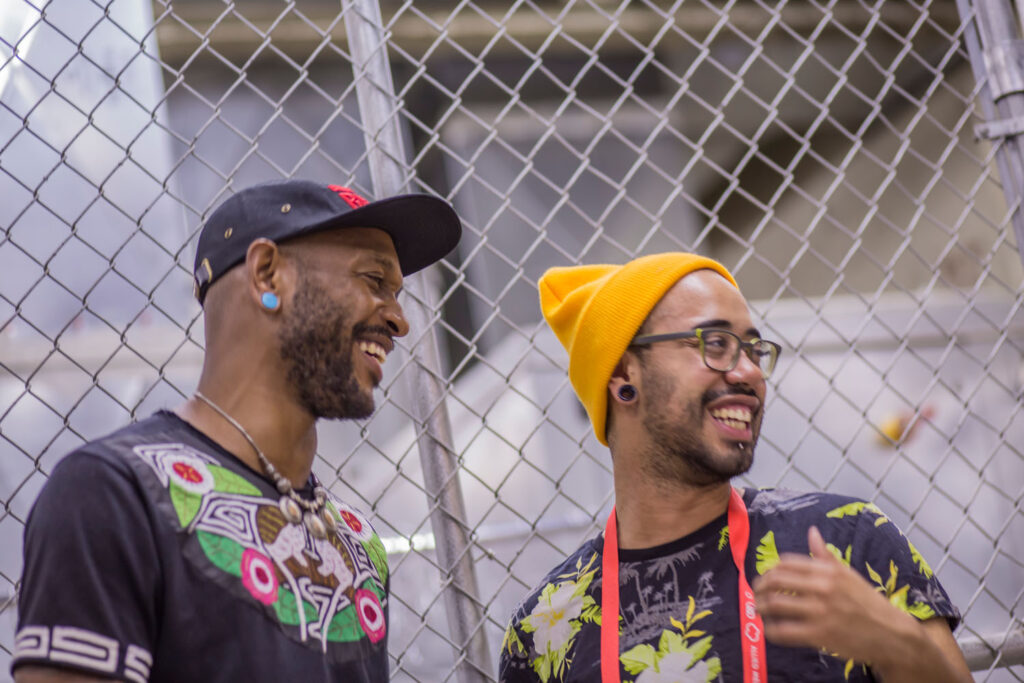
<point x="270" y="301"/>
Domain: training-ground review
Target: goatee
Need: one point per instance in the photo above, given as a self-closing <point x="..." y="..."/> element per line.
<point x="678" y="452"/>
<point x="317" y="346"/>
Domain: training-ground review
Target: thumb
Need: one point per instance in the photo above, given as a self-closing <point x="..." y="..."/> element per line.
<point x="817" y="545"/>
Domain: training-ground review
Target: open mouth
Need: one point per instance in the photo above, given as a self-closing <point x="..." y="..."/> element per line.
<point x="374" y="350"/>
<point x="734" y="417"/>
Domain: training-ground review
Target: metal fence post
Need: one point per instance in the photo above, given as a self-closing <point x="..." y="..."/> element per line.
<point x="381" y="125"/>
<point x="997" y="58"/>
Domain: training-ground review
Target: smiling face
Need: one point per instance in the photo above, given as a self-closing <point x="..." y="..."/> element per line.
<point x="702" y="423"/>
<point x="338" y="327"/>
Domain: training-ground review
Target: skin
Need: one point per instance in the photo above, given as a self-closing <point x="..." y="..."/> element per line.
<point x="335" y="287"/>
<point x="673" y="461"/>
<point x="250" y="367"/>
<point x="661" y="495"/>
<point x="797" y="600"/>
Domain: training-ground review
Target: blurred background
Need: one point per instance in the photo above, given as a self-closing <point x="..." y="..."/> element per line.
<point x="831" y="153"/>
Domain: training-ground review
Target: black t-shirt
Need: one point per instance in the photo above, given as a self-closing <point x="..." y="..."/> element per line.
<point x="679" y="602"/>
<point x="154" y="555"/>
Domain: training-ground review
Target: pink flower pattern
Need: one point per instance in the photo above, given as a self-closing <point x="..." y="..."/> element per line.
<point x="371" y="616"/>
<point x="258" y="576"/>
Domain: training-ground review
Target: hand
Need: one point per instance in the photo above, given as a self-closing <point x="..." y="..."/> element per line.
<point x="819" y="602"/>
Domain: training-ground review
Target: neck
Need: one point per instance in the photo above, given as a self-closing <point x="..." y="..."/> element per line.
<point x="652" y="512"/>
<point x="284" y="433"/>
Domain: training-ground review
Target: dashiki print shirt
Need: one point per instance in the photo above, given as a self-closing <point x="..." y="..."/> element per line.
<point x="679" y="601"/>
<point x="155" y="555"/>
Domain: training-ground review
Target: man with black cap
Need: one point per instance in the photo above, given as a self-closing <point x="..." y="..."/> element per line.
<point x="694" y="580"/>
<point x="197" y="545"/>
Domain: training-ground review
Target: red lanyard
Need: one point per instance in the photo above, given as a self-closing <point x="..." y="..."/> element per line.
<point x="751" y="627"/>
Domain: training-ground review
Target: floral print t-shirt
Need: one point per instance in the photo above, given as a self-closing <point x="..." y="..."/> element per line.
<point x="678" y="602"/>
<point x="153" y="554"/>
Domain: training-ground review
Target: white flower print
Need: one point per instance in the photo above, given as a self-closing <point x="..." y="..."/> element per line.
<point x="553" y="615"/>
<point x="672" y="669"/>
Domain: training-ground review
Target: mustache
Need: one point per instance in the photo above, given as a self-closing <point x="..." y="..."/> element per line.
<point x="715" y="394"/>
<point x="360" y="329"/>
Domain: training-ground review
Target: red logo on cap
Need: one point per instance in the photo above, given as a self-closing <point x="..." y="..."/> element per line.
<point x="350" y="197"/>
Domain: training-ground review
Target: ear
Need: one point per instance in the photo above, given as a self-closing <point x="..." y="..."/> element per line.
<point x="263" y="270"/>
<point x="627" y="371"/>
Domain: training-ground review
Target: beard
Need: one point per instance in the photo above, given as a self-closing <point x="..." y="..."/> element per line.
<point x="678" y="451"/>
<point x="317" y="344"/>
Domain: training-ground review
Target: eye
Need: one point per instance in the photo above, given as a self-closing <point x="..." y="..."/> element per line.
<point x="377" y="280"/>
<point x="716" y="341"/>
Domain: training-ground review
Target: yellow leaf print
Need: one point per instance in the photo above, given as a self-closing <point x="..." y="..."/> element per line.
<point x="512" y="639"/>
<point x="919" y="560"/>
<point x="890" y="585"/>
<point x="637" y="659"/>
<point x="857" y="508"/>
<point x="898" y="596"/>
<point x="767" y="553"/>
<point x="843" y="557"/>
<point x="875" y="576"/>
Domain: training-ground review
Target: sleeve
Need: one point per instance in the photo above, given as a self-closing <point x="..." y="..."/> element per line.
<point x="90" y="584"/>
<point x="513" y="663"/>
<point x="889" y="561"/>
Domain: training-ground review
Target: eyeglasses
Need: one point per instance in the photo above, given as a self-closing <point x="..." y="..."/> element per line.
<point x="720" y="349"/>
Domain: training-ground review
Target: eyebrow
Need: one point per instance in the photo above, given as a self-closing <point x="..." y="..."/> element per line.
<point x="725" y="324"/>
<point x="383" y="260"/>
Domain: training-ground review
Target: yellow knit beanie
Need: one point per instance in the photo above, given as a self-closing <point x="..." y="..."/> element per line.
<point x="596" y="311"/>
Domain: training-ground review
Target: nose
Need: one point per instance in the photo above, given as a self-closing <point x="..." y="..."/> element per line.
<point x="394" y="318"/>
<point x="746" y="372"/>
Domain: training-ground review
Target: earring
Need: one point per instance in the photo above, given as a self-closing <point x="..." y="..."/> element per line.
<point x="627" y="392"/>
<point x="270" y="301"/>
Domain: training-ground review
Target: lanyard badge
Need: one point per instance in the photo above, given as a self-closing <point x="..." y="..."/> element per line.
<point x="751" y="626"/>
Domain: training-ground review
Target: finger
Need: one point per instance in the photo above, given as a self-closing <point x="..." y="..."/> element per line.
<point x="796" y="563"/>
<point x="783" y="580"/>
<point x="792" y="633"/>
<point x="795" y="575"/>
<point x="817" y="545"/>
<point x="790" y="606"/>
<point x="808" y="592"/>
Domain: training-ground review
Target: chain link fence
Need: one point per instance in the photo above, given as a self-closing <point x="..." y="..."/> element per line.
<point x="825" y="151"/>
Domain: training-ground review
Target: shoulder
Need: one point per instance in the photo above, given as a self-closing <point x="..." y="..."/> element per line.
<point x="784" y="510"/>
<point x="582" y="566"/>
<point x="114" y="451"/>
<point x="542" y="629"/>
<point x="780" y="520"/>
<point x="95" y="468"/>
<point x="771" y="501"/>
<point x="569" y="582"/>
<point x="355" y="523"/>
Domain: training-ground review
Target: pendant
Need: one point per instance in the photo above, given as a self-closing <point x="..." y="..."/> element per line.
<point x="290" y="509"/>
<point x="315" y="525"/>
<point x="329" y="521"/>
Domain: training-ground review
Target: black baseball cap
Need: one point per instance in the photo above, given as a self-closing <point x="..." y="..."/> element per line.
<point x="423" y="228"/>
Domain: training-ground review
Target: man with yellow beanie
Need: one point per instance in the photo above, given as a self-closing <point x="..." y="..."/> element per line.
<point x="694" y="580"/>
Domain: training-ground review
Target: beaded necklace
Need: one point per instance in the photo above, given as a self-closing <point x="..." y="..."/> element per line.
<point x="313" y="514"/>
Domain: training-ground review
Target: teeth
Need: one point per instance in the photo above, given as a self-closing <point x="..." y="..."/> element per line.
<point x="374" y="349"/>
<point x="737" y="418"/>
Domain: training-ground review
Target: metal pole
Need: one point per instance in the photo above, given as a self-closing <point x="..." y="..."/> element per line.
<point x="379" y="111"/>
<point x="997" y="59"/>
<point x="981" y="655"/>
<point x="996" y="53"/>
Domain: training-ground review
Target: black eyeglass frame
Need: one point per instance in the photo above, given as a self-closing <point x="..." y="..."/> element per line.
<point x="747" y="347"/>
